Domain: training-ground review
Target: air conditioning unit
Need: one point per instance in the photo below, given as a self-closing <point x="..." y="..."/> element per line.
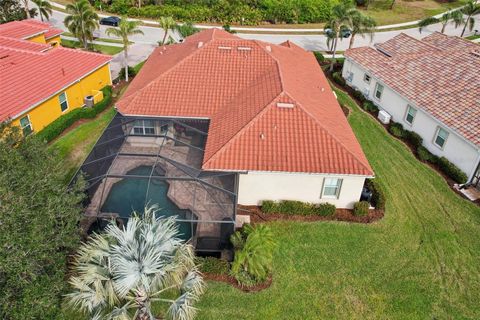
<point x="88" y="100"/>
<point x="384" y="117"/>
<point x="366" y="92"/>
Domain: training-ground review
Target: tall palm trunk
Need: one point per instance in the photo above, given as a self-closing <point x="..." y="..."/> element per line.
<point x="165" y="36"/>
<point x="27" y="12"/>
<point x="125" y="54"/>
<point x="333" y="54"/>
<point x="352" y="38"/>
<point x="465" y="26"/>
<point x="443" y="27"/>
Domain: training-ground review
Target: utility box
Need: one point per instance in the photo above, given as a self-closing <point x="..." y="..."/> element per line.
<point x="384" y="117"/>
<point x="89" y="102"/>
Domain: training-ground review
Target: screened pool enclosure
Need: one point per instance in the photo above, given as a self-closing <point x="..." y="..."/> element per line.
<point x="140" y="161"/>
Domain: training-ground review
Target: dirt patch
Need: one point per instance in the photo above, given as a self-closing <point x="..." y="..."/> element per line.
<point x="257" y="216"/>
<point x="233" y="282"/>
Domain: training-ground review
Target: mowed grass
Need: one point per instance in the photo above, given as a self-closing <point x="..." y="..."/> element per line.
<point x="420" y="262"/>
<point x="109" y="50"/>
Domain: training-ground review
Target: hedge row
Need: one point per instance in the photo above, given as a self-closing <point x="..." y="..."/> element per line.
<point x="298" y="207"/>
<point x="55" y="128"/>
<point x="213" y="265"/>
<point x="448" y="168"/>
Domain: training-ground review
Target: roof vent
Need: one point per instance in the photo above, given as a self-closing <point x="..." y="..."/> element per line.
<point x="225" y="48"/>
<point x="244" y="48"/>
<point x="200" y="44"/>
<point x="285" y="105"/>
<point x="269" y="48"/>
<point x="262" y="136"/>
<point x="476" y="53"/>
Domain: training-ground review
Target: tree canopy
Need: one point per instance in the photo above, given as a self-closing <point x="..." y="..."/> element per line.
<point x="38" y="227"/>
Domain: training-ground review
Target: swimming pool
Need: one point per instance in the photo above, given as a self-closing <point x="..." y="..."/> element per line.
<point x="130" y="194"/>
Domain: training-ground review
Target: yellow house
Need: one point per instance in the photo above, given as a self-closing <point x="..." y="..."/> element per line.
<point x="39" y="81"/>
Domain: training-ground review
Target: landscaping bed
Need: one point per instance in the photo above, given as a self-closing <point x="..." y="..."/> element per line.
<point x="233" y="282"/>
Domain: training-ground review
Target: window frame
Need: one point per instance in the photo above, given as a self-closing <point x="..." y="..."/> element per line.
<point x="437" y="134"/>
<point x="365" y="75"/>
<point x="64" y="93"/>
<point x="338" y="188"/>
<point x="409" y="107"/>
<point x="377" y="85"/>
<point x="349" y="76"/>
<point x="143" y="127"/>
<point x="28" y="125"/>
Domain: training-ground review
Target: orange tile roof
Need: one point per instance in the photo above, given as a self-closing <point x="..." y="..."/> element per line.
<point x="270" y="106"/>
<point x="28" y="28"/>
<point x="27" y="76"/>
<point x="439" y="74"/>
<point x="23" y="44"/>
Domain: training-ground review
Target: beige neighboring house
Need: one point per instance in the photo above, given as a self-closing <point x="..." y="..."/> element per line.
<point x="430" y="86"/>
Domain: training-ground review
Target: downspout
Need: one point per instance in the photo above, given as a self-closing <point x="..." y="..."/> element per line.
<point x="475" y="170"/>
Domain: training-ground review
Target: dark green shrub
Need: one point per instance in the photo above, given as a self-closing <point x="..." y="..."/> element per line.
<point x="360" y="208"/>
<point x="378" y="195"/>
<point x="337" y="77"/>
<point x="325" y="209"/>
<point x="357" y="94"/>
<point x="396" y="129"/>
<point x="187" y="29"/>
<point x="213" y="265"/>
<point x="370" y="107"/>
<point x="269" y="206"/>
<point x="55" y="128"/>
<point x="131" y="73"/>
<point x="319" y="56"/>
<point x="425" y="155"/>
<point x="414" y="139"/>
<point x="451" y="170"/>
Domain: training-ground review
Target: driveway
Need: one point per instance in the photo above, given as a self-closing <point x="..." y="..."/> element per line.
<point x="137" y="53"/>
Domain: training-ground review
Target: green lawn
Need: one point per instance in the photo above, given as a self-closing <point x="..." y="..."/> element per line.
<point x="74" y="145"/>
<point x="420" y="262"/>
<point x="110" y="50"/>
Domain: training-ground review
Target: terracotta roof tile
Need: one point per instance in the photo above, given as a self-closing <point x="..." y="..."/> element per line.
<point x="238" y="84"/>
<point x="28" y="28"/>
<point x="443" y="80"/>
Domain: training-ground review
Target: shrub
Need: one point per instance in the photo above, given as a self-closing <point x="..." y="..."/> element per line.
<point x="378" y="195"/>
<point x="213" y="265"/>
<point x="357" y="94"/>
<point x="269" y="206"/>
<point x="298" y="207"/>
<point x="451" y="170"/>
<point x="131" y="73"/>
<point x="253" y="255"/>
<point x="425" y="155"/>
<point x="187" y="29"/>
<point x="325" y="209"/>
<point x="55" y="128"/>
<point x="414" y="139"/>
<point x="396" y="129"/>
<point x="370" y="107"/>
<point x="337" y="77"/>
<point x="360" y="208"/>
<point x="319" y="56"/>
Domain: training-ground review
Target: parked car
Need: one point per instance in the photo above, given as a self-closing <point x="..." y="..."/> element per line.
<point x="110" y="21"/>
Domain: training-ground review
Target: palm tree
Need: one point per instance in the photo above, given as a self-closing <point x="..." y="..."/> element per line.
<point x="44" y="8"/>
<point x="81" y="21"/>
<point x="25" y="7"/>
<point x="166" y="23"/>
<point x="339" y="22"/>
<point x="125" y="28"/>
<point x="470" y="9"/>
<point x="455" y="16"/>
<point x="362" y="25"/>
<point x="121" y="272"/>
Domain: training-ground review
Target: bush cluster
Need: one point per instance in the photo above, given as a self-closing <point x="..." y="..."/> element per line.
<point x="369" y="106"/>
<point x="360" y="208"/>
<point x="298" y="207"/>
<point x="337" y="77"/>
<point x="451" y="170"/>
<point x="378" y="195"/>
<point x="396" y="129"/>
<point x="131" y="73"/>
<point x="357" y="94"/>
<point x="228" y="12"/>
<point x="319" y="56"/>
<point x="55" y="128"/>
<point x="213" y="265"/>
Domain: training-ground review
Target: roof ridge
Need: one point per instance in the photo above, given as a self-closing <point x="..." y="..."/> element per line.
<point x="277" y="63"/>
<point x="22" y="50"/>
<point x="243" y="128"/>
<point x="367" y="167"/>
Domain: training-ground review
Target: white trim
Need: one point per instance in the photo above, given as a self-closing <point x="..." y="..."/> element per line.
<point x="472" y="174"/>
<point x="407" y="114"/>
<point x="296" y="173"/>
<point x="56" y="35"/>
<point x="34" y="35"/>
<point x="29" y="123"/>
<point x="375" y="90"/>
<point x="338" y="188"/>
<point x="161" y="117"/>
<point x="435" y="136"/>
<point x="66" y="100"/>
<point x="365" y="74"/>
<point x="439" y="122"/>
<point x="33" y="106"/>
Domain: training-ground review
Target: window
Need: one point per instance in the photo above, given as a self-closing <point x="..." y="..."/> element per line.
<point x="366" y="78"/>
<point x="62" y="98"/>
<point x="26" y="125"/>
<point x="378" y="91"/>
<point x="331" y="187"/>
<point x="410" y="116"/>
<point x="144" y="127"/>
<point x="349" y="76"/>
<point x="441" y="137"/>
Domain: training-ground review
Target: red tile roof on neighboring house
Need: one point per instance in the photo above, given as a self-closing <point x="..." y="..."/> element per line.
<point x="438" y="73"/>
<point x="29" y="76"/>
<point x="270" y="106"/>
<point x="28" y="28"/>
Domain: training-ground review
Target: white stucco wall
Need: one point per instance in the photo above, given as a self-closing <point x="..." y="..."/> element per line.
<point x="257" y="186"/>
<point x="456" y="149"/>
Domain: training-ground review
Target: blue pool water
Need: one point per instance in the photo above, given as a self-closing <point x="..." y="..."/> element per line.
<point x="129" y="195"/>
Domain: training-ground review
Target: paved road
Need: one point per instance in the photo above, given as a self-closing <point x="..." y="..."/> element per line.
<point x="310" y="42"/>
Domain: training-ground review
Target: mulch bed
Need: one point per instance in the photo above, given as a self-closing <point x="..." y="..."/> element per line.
<point x="233" y="282"/>
<point x="257" y="216"/>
